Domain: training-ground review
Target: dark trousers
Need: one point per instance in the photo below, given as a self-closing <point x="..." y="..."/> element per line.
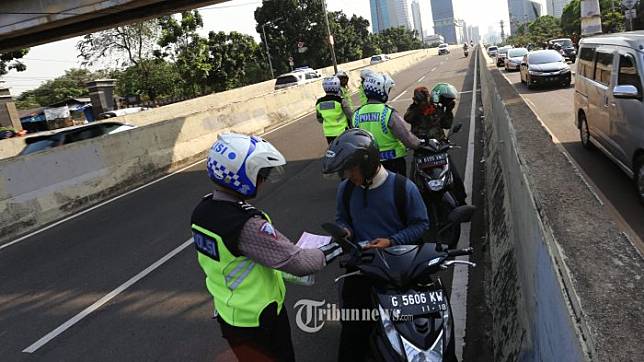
<point x="397" y="165"/>
<point x="270" y="342"/>
<point x="458" y="187"/>
<point x="330" y="139"/>
<point x="354" y="336"/>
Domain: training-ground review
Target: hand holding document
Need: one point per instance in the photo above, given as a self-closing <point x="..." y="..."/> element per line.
<point x="312" y="241"/>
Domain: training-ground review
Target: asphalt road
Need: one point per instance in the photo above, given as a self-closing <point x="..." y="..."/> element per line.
<point x="51" y="277"/>
<point x="555" y="107"/>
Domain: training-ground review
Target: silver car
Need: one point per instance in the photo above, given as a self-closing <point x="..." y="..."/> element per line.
<point x="514" y="58"/>
<point x="609" y="112"/>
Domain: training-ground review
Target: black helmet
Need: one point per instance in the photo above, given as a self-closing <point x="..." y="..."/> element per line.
<point x="353" y="147"/>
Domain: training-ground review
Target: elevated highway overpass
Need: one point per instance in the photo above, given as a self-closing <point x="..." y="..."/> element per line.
<point x="26" y="23"/>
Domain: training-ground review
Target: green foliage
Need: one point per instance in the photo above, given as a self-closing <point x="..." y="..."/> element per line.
<point x="72" y="84"/>
<point x="150" y="79"/>
<point x="234" y="59"/>
<point x="612" y="21"/>
<point x="11" y="60"/>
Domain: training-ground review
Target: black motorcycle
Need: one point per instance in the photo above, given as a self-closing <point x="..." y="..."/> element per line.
<point x="415" y="316"/>
<point x="433" y="176"/>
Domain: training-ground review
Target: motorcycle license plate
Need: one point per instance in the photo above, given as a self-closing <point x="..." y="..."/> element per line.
<point x="432" y="160"/>
<point x="414" y="303"/>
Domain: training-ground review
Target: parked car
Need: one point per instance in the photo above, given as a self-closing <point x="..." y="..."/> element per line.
<point x="501" y="54"/>
<point x="299" y="76"/>
<point x="609" y="112"/>
<point x="379" y="58"/>
<point x="121" y="112"/>
<point x="63" y="136"/>
<point x="514" y="58"/>
<point x="491" y="50"/>
<point x="565" y="47"/>
<point x="443" y="49"/>
<point x="544" y="67"/>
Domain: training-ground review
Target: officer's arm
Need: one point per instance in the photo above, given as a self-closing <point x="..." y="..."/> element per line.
<point x="261" y="242"/>
<point x="417" y="219"/>
<point x="397" y="126"/>
<point x="346" y="108"/>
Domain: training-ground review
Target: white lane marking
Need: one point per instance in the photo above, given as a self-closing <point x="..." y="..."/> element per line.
<point x="433" y="69"/>
<point x="421" y="78"/>
<point x="458" y="297"/>
<point x="400" y="95"/>
<point x="87" y="311"/>
<point x="70" y="217"/>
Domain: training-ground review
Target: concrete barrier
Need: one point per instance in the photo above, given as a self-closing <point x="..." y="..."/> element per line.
<point x="42" y="187"/>
<point x="566" y="284"/>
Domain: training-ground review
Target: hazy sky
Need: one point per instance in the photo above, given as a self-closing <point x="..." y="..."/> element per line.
<point x="51" y="60"/>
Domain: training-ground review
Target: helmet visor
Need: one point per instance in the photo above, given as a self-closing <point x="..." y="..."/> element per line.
<point x="271" y="174"/>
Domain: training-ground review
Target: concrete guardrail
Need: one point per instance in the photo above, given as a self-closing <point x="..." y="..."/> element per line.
<point x="40" y="188"/>
<point x="566" y="284"/>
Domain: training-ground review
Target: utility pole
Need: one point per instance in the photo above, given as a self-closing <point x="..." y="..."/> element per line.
<point x="268" y="53"/>
<point x="502" y="30"/>
<point x="328" y="33"/>
<point x="591" y="22"/>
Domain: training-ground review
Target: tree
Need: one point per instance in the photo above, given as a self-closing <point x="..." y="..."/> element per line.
<point x="71" y="84"/>
<point x="189" y="51"/>
<point x="161" y="80"/>
<point x="399" y="39"/>
<point x="233" y="58"/>
<point x="612" y="21"/>
<point x="126" y="45"/>
<point x="10" y="60"/>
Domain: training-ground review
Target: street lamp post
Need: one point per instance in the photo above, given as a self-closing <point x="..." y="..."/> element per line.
<point x="328" y="33"/>
<point x="268" y="53"/>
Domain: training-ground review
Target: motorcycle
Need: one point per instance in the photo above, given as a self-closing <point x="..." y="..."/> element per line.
<point x="434" y="178"/>
<point x="415" y="316"/>
<point x="466" y="52"/>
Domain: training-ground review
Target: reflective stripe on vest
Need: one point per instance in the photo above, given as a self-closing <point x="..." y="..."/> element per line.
<point x="374" y="118"/>
<point x="241" y="288"/>
<point x="335" y="121"/>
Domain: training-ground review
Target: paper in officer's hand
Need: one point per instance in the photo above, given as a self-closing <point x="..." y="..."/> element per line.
<point x="312" y="241"/>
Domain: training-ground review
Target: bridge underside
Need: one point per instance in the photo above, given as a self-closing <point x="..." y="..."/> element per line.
<point x="26" y="23"/>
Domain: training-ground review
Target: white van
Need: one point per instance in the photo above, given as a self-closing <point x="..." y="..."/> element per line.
<point x="609" y="111"/>
<point x="297" y="77"/>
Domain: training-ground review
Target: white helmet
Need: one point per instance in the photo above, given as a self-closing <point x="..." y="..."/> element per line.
<point x="331" y="85"/>
<point x="364" y="73"/>
<point x="235" y="161"/>
<point x="377" y="86"/>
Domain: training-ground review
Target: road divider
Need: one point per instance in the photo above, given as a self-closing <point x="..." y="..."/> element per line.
<point x="40" y="188"/>
<point x="565" y="284"/>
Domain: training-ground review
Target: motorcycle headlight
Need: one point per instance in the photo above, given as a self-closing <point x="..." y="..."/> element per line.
<point x="434" y="354"/>
<point x="390" y="331"/>
<point x="436" y="185"/>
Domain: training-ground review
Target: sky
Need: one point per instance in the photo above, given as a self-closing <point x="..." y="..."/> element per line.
<point x="51" y="60"/>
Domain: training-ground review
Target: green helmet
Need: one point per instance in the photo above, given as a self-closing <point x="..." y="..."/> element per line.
<point x="443" y="92"/>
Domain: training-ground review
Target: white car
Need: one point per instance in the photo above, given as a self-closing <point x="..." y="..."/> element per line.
<point x="297" y="77"/>
<point x="379" y="58"/>
<point x="491" y="50"/>
<point x="443" y="49"/>
<point x="514" y="58"/>
<point x="121" y="112"/>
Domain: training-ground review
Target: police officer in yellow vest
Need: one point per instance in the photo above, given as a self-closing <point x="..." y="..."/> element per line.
<point x="243" y="255"/>
<point x="344" y="87"/>
<point x="385" y="124"/>
<point x="332" y="110"/>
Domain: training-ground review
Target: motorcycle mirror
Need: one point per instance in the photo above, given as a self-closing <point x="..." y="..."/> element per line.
<point x="461" y="214"/>
<point x="457" y="128"/>
<point x="340" y="236"/>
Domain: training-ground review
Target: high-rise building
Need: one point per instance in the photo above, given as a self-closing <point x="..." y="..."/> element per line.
<point x="444" y="22"/>
<point x="523" y="11"/>
<point x="389" y="14"/>
<point x="418" y="22"/>
<point x="555" y="7"/>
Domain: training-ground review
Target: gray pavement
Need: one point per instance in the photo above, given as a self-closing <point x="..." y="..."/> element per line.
<point x="50" y="277"/>
<point x="555" y="108"/>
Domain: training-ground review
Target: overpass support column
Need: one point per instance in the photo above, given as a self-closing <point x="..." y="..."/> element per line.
<point x="8" y="113"/>
<point x="101" y="92"/>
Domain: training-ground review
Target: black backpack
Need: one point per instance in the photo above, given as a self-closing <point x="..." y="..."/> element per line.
<point x="400" y="198"/>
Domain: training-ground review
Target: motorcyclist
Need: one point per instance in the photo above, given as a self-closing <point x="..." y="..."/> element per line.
<point x="332" y="110"/>
<point x="373" y="205"/>
<point x="344" y="83"/>
<point x="242" y="253"/>
<point x="385" y="124"/>
<point x="361" y="94"/>
<point x="430" y="115"/>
